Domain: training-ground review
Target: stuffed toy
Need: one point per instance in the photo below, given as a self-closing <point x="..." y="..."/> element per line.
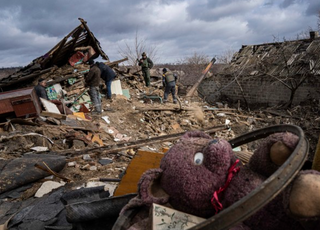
<point x="202" y="176"/>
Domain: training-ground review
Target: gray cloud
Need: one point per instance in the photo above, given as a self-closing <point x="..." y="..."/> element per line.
<point x="177" y="27"/>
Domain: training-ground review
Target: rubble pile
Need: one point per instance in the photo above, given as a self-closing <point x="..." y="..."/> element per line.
<point x="95" y="150"/>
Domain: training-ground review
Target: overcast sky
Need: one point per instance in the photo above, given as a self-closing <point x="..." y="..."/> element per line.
<point x="30" y="28"/>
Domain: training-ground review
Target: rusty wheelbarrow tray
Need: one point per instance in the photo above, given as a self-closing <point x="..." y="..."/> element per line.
<point x="270" y="188"/>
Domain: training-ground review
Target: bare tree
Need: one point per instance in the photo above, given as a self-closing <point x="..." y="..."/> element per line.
<point x="195" y="59"/>
<point x="297" y="66"/>
<point x="226" y="56"/>
<point x="134" y="50"/>
<point x="192" y="66"/>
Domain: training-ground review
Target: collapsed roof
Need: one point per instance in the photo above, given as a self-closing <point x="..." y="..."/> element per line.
<point x="298" y="57"/>
<point x="59" y="55"/>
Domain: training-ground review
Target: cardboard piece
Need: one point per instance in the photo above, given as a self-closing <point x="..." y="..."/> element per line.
<point x="49" y="106"/>
<point x="142" y="161"/>
<point x="126" y="93"/>
<point x="80" y="114"/>
<point x="96" y="139"/>
<point x="167" y="218"/>
<point x="116" y="87"/>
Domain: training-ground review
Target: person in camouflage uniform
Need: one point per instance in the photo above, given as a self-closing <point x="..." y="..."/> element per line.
<point x="169" y="82"/>
<point x="146" y="64"/>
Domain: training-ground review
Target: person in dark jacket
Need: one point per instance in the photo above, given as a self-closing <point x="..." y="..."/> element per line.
<point x="92" y="80"/>
<point x="41" y="89"/>
<point x="169" y="82"/>
<point x="146" y="64"/>
<point x="107" y="74"/>
<point x="42" y="93"/>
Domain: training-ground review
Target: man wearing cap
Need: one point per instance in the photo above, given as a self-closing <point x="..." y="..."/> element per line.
<point x="169" y="82"/>
<point x="92" y="80"/>
<point x="146" y="64"/>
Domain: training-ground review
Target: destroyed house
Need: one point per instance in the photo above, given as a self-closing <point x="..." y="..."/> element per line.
<point x="264" y="73"/>
<point x="64" y="66"/>
<point x="80" y="43"/>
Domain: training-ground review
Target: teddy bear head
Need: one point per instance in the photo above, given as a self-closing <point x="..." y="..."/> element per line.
<point x="193" y="169"/>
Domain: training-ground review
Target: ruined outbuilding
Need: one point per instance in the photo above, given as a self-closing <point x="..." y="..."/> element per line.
<point x="268" y="73"/>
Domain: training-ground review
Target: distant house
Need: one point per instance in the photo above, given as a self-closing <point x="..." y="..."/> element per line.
<point x="269" y="73"/>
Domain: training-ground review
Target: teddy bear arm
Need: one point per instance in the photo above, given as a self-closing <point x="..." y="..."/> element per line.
<point x="304" y="200"/>
<point x="272" y="153"/>
<point x="149" y="188"/>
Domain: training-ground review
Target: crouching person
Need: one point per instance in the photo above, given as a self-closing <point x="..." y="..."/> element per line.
<point x="169" y="81"/>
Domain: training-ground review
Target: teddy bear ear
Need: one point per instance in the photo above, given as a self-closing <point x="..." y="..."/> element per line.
<point x="195" y="134"/>
<point x="149" y="188"/>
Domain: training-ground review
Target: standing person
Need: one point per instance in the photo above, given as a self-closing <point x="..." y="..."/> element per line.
<point x="169" y="82"/>
<point x="92" y="80"/>
<point x="107" y="74"/>
<point x="146" y="64"/>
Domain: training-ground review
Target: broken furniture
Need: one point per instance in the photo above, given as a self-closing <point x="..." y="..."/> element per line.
<point x="23" y="102"/>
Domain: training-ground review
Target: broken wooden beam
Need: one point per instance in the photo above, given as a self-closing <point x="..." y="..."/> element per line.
<point x="11" y="80"/>
<point x="60" y="79"/>
<point x="178" y="109"/>
<point x="116" y="62"/>
<point x="54" y="115"/>
<point x="114" y="149"/>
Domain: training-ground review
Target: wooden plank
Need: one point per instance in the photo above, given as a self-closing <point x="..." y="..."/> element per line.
<point x="54" y="115"/>
<point x="116" y="62"/>
<point x="168" y="218"/>
<point x="142" y="161"/>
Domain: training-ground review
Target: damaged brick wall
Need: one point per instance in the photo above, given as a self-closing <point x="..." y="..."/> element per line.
<point x="257" y="90"/>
